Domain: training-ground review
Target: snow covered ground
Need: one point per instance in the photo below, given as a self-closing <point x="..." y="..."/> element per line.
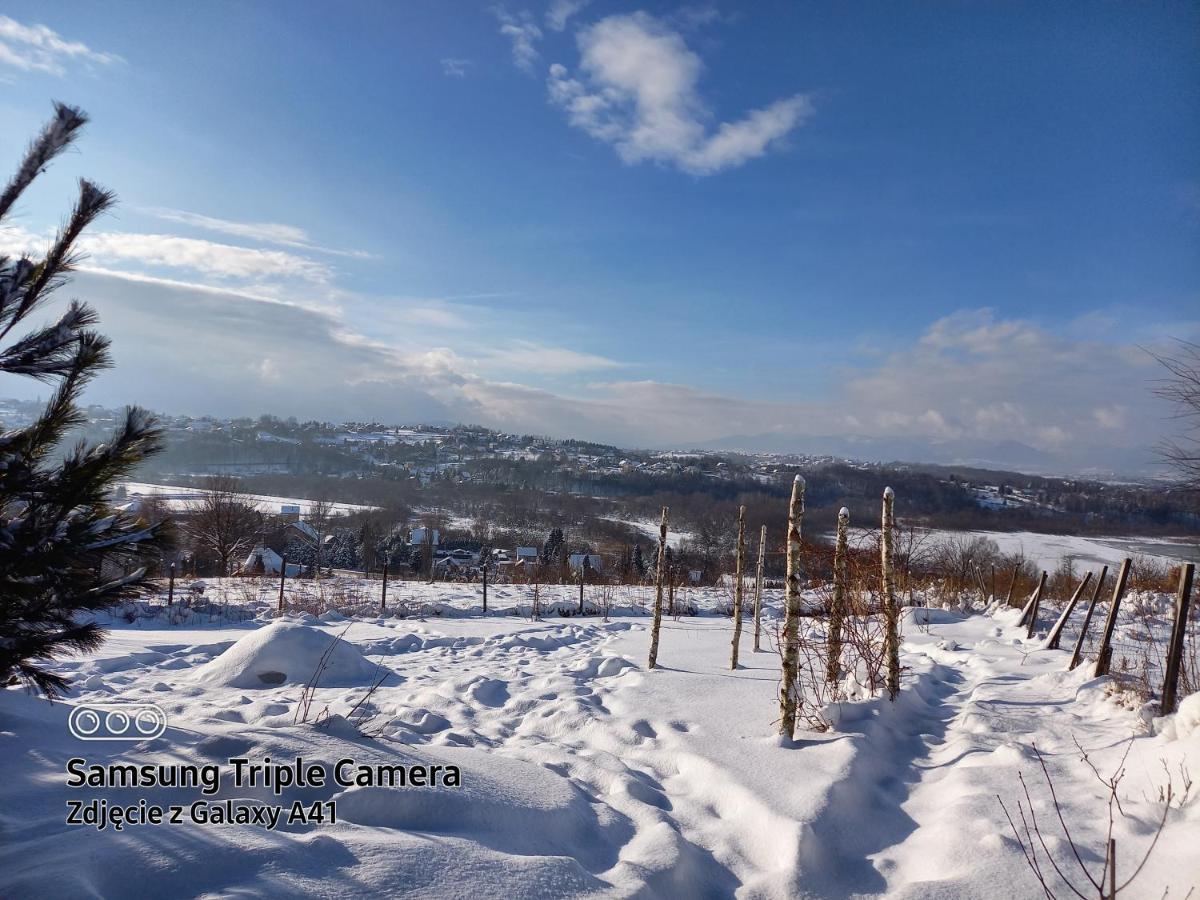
<point x="583" y="773"/>
<point x="1046" y="551"/>
<point x="180" y="498"/>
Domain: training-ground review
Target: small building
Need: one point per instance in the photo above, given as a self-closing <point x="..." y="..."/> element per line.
<point x="303" y="531"/>
<point x="418" y="536"/>
<point x="289" y="512"/>
<point x="265" y="561"/>
<point x="527" y="554"/>
<point x="575" y="561"/>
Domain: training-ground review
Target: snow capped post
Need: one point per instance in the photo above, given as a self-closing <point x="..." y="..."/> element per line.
<point x="891" y="612"/>
<point x="658" y="589"/>
<point x="837" y="608"/>
<point x="758" y="580"/>
<point x="791" y="620"/>
<point x="740" y="567"/>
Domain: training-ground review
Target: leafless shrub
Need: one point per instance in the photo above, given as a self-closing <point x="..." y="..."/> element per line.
<point x="1102" y="881"/>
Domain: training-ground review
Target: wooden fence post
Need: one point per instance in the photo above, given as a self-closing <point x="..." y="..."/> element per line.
<point x="793" y="607"/>
<point x="1057" y="630"/>
<point x="1033" y="607"/>
<point x="383" y="595"/>
<point x="1012" y="586"/>
<point x="739" y="588"/>
<point x="485" y="588"/>
<point x="1110" y="623"/>
<point x="1028" y="607"/>
<point x="658" y="590"/>
<point x="1183" y="602"/>
<point x="282" y="578"/>
<point x="758" y="587"/>
<point x="1077" y="656"/>
<point x="171" y="586"/>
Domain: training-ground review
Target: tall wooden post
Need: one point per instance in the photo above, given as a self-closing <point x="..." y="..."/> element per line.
<point x="740" y="575"/>
<point x="758" y="588"/>
<point x="282" y="578"/>
<point x="1110" y="623"/>
<point x="171" y="585"/>
<point x="792" y="610"/>
<point x="485" y="568"/>
<point x="583" y="567"/>
<point x="1012" y="585"/>
<point x="891" y="610"/>
<point x="1030" y="617"/>
<point x="1077" y="655"/>
<point x="383" y="595"/>
<point x="1056" y="632"/>
<point x="1183" y="601"/>
<point x="837" y="606"/>
<point x="658" y="589"/>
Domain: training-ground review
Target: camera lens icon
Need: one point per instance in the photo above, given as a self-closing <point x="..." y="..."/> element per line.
<point x="117" y="721"/>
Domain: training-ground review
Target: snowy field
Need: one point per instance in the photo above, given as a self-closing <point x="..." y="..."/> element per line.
<point x="581" y="773"/>
<point x="182" y="498"/>
<point x="1046" y="551"/>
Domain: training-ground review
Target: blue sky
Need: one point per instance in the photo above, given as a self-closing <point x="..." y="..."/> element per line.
<point x="649" y="223"/>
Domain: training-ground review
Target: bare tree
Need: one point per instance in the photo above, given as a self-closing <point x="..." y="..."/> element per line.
<point x="320" y="512"/>
<point x="224" y="524"/>
<point x="1182" y="388"/>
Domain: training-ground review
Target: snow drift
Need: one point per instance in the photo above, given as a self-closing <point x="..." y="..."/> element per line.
<point x="288" y="653"/>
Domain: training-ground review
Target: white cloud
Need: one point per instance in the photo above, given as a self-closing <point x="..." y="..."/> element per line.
<point x="638" y="90"/>
<point x="456" y="67"/>
<point x="562" y="10"/>
<point x="206" y="257"/>
<point x="528" y="356"/>
<point x="37" y="48"/>
<point x="524" y="35"/>
<point x="262" y="232"/>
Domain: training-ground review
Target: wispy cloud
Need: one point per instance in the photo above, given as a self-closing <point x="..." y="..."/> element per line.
<point x="524" y="34"/>
<point x="529" y="356"/>
<point x="37" y="48"/>
<point x="561" y="11"/>
<point x="262" y="232"/>
<point x="207" y="258"/>
<point x="456" y="67"/>
<point x="638" y="90"/>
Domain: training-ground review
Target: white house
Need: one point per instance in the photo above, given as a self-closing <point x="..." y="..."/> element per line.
<point x="265" y="561"/>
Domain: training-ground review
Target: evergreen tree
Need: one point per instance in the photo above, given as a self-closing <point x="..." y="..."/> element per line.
<point x="639" y="563"/>
<point x="64" y="552"/>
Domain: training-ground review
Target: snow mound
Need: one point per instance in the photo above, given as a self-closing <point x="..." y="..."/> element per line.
<point x="287" y="653"/>
<point x="1187" y="717"/>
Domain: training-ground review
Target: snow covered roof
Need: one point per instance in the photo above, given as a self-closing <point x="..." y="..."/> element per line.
<point x="265" y="561"/>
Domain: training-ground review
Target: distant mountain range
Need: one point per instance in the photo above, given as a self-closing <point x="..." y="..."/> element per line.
<point x="1004" y="454"/>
